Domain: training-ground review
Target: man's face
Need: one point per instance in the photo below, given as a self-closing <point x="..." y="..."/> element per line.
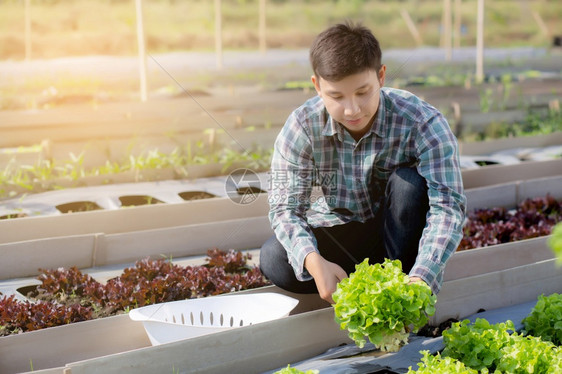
<point x="354" y="100"/>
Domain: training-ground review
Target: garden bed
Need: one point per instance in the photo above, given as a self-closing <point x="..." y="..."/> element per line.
<point x="485" y="278"/>
<point x="89" y="346"/>
<point x="131" y="219"/>
<point x="170" y="191"/>
<point x="475" y="279"/>
<point x="22" y="259"/>
<point x="248" y="228"/>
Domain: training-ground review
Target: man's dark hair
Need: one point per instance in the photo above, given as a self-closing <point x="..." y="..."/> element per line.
<point x="344" y="49"/>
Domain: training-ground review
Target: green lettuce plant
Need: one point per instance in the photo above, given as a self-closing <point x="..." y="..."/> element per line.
<point x="432" y="364"/>
<point x="530" y="354"/>
<point x="545" y="320"/>
<point x="378" y="301"/>
<point x="290" y="370"/>
<point x="555" y="242"/>
<point x="478" y="345"/>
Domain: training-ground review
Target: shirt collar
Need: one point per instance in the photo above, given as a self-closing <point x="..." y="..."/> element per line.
<point x="379" y="122"/>
<point x="332" y="127"/>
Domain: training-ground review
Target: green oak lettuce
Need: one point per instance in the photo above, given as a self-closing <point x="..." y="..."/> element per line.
<point x="478" y="345"/>
<point x="545" y="320"/>
<point x="555" y="242"/>
<point x="530" y="354"/>
<point x="290" y="370"/>
<point x="377" y="301"/>
<point x="497" y="348"/>
<point x="436" y="364"/>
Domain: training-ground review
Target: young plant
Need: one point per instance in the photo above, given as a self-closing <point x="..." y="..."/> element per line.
<point x="479" y="345"/>
<point x="378" y="301"/>
<point x="530" y="354"/>
<point x="432" y="364"/>
<point x="290" y="370"/>
<point x="545" y="320"/>
<point x="555" y="242"/>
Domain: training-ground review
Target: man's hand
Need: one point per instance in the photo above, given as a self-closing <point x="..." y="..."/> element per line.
<point x="326" y="275"/>
<point x="415" y="279"/>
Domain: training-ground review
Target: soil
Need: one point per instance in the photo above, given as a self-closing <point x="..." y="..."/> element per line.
<point x="36" y="294"/>
<point x="436" y="331"/>
<point x="196" y="195"/>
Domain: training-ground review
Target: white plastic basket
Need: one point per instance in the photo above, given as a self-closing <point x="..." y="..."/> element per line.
<point x="177" y="320"/>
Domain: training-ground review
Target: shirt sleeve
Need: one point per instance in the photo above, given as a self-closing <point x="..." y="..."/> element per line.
<point x="438" y="163"/>
<point x="290" y="186"/>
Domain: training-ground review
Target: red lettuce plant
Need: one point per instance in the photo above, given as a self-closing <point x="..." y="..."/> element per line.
<point x="67" y="295"/>
<point x="17" y="316"/>
<point x="532" y="218"/>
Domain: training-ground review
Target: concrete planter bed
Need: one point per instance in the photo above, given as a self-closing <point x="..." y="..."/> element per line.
<point x="22" y="259"/>
<point x="187" y="174"/>
<point x="97" y="152"/>
<point x="119" y="120"/>
<point x="244" y="225"/>
<point x="130" y="219"/>
<point x="500" y="174"/>
<point x="116" y="344"/>
<point x="170" y="192"/>
<point x="113" y="197"/>
<point x="484" y="278"/>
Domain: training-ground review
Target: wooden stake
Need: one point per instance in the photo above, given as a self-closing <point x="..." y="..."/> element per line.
<point x="554" y="105"/>
<point x="212" y="139"/>
<point x="46" y="149"/>
<point x="542" y="26"/>
<point x="480" y="42"/>
<point x="447" y="29"/>
<point x="456" y="117"/>
<point x="142" y="51"/>
<point x="457" y="25"/>
<point x="411" y="27"/>
<point x="262" y="27"/>
<point x="218" y="33"/>
<point x="27" y="16"/>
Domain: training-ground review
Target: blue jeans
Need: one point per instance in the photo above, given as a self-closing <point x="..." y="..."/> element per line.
<point x="393" y="233"/>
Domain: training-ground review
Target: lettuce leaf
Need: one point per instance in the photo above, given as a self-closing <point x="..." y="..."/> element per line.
<point x="555" y="242"/>
<point x="499" y="349"/>
<point x="545" y="320"/>
<point x="530" y="354"/>
<point x="290" y="370"/>
<point x="436" y="364"/>
<point x="478" y="345"/>
<point x="377" y="302"/>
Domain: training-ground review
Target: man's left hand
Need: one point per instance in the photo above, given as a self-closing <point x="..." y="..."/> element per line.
<point x="415" y="279"/>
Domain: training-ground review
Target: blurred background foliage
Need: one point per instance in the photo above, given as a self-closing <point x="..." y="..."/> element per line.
<point x="107" y="27"/>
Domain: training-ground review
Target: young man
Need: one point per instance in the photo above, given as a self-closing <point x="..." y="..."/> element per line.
<point x="387" y="164"/>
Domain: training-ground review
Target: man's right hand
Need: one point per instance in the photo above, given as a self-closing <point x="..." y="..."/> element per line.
<point x="326" y="274"/>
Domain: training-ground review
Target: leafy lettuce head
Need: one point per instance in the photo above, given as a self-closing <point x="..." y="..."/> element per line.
<point x="379" y="302"/>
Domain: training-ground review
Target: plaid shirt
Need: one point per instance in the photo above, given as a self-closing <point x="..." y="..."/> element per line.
<point x="313" y="152"/>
